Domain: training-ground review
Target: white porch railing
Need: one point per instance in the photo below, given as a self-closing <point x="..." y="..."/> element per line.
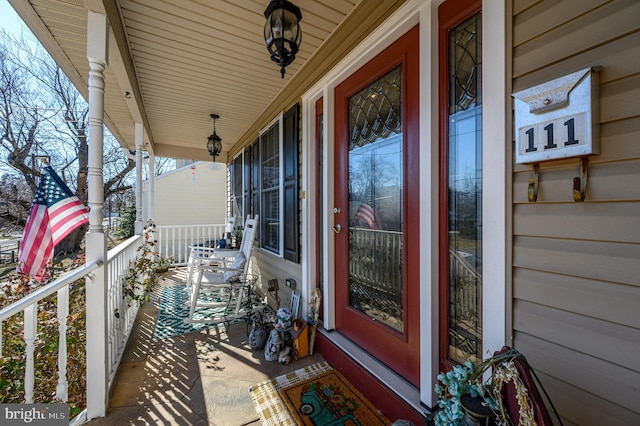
<point x="119" y="326"/>
<point x="120" y="316"/>
<point x="174" y="241"/>
<point x="29" y="305"/>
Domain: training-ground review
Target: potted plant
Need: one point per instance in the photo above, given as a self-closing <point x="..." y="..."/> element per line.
<point x="454" y="386"/>
<point x="237" y="236"/>
<point x="465" y="399"/>
<point x="162" y="264"/>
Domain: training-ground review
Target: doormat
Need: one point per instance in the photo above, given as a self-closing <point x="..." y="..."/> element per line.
<point x="173" y="310"/>
<point x="330" y="399"/>
<point x="317" y="395"/>
<point x="267" y="400"/>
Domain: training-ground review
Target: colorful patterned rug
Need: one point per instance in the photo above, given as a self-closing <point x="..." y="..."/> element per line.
<point x="315" y="395"/>
<point x="174" y="309"/>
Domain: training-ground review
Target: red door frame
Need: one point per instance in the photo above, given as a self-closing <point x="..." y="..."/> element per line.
<point x="450" y="14"/>
<point x="399" y="351"/>
<point x="319" y="196"/>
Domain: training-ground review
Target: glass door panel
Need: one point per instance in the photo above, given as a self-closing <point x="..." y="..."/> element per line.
<point x="461" y="215"/>
<point x="375" y="201"/>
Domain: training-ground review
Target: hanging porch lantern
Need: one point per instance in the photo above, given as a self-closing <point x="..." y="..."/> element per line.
<point x="214" y="143"/>
<point x="282" y="32"/>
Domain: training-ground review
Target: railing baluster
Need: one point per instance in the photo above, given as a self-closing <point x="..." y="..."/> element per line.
<point x="30" y="326"/>
<point x="62" y="389"/>
<point x="173" y="239"/>
<point x="176" y="240"/>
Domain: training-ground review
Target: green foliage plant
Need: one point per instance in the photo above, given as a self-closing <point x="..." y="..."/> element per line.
<point x="237" y="235"/>
<point x="462" y="379"/>
<point x="127" y="223"/>
<point x="162" y="264"/>
<point x="467" y="379"/>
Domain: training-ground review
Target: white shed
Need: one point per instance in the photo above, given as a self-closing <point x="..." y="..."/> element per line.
<point x="190" y="195"/>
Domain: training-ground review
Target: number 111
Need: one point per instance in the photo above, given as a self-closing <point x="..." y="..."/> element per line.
<point x="551" y="143"/>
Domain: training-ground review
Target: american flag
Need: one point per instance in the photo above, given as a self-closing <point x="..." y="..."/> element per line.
<point x="366" y="213"/>
<point x="54" y="214"/>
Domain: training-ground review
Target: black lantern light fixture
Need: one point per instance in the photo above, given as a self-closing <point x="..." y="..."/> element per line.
<point x="282" y="32"/>
<point x="214" y="143"/>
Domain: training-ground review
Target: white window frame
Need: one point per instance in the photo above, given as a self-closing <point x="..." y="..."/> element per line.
<point x="243" y="213"/>
<point x="278" y="120"/>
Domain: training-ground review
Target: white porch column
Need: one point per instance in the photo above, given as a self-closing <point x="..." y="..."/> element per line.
<point x="96" y="241"/>
<point x="152" y="178"/>
<point x="139" y="137"/>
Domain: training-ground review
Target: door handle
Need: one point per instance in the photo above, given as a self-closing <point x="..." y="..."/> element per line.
<point x="337" y="228"/>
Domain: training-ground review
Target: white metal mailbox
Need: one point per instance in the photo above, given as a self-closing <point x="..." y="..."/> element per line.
<point x="559" y="118"/>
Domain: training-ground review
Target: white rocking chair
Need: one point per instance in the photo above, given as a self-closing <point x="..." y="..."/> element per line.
<point x="200" y="253"/>
<point x="221" y="290"/>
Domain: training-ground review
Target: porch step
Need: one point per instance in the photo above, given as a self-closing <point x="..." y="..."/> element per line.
<point x="349" y="355"/>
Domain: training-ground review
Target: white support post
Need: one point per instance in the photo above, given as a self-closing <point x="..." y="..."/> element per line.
<point x="96" y="241"/>
<point x="152" y="178"/>
<point x="139" y="137"/>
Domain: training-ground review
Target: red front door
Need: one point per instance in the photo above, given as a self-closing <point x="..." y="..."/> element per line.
<point x="376" y="212"/>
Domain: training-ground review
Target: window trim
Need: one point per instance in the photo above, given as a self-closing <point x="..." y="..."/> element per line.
<point x="278" y="120"/>
<point x="240" y="216"/>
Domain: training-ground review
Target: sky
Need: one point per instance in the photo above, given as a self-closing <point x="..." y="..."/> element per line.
<point x="9" y="20"/>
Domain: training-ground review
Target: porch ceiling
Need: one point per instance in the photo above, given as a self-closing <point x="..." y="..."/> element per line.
<point x="179" y="61"/>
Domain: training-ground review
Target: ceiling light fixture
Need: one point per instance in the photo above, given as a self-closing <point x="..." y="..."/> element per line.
<point x="214" y="143"/>
<point x="282" y="32"/>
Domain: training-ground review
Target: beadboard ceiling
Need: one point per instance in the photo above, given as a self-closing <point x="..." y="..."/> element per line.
<point x="172" y="63"/>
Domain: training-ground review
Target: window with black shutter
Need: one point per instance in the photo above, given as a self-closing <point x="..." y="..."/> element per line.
<point x="273" y="179"/>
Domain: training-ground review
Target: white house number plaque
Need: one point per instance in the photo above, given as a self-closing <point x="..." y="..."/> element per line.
<point x="558" y="119"/>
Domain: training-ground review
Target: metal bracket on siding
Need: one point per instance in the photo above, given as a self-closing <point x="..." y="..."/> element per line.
<point x="580" y="183"/>
<point x="532" y="192"/>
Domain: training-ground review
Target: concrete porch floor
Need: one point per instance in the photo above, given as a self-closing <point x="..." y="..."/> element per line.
<point x="201" y="378"/>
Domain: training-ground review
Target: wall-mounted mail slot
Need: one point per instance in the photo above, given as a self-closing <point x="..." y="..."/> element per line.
<point x="558" y="119"/>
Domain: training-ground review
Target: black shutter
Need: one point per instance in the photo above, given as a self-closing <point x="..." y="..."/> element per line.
<point x="255" y="184"/>
<point x="290" y="187"/>
<point x="246" y="181"/>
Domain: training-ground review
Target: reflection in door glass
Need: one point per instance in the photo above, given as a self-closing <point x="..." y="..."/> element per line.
<point x="376" y="201"/>
<point x="465" y="192"/>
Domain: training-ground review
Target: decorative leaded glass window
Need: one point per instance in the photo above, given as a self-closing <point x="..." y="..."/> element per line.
<point x="375" y="112"/>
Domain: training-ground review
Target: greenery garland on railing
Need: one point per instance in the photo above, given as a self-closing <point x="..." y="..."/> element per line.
<point x="144" y="271"/>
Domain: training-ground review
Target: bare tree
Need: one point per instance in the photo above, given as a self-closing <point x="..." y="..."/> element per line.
<point x="43" y="117"/>
<point x="15" y="200"/>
